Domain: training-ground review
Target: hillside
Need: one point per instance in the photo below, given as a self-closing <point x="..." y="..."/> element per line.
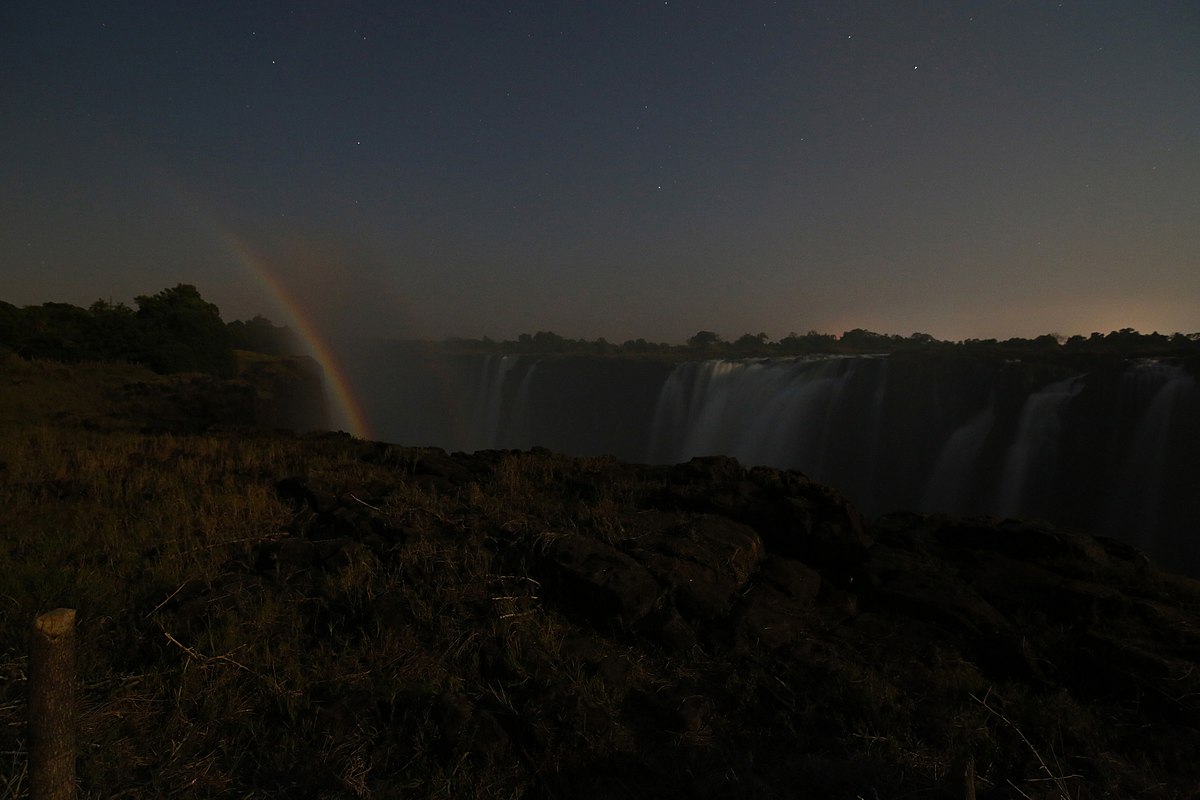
<point x="272" y="615"/>
<point x="267" y="392"/>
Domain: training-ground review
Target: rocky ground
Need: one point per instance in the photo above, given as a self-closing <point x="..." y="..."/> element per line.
<point x="271" y="615"/>
<point x="711" y="630"/>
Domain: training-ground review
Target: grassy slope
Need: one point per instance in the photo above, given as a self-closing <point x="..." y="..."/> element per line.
<point x="39" y="392"/>
<point x="387" y="635"/>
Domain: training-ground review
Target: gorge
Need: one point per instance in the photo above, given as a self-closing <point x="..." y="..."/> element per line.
<point x="1108" y="446"/>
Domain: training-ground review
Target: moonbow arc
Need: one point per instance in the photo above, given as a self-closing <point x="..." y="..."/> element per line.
<point x="346" y="404"/>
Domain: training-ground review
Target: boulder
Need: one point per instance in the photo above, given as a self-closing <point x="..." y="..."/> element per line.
<point x="795" y="516"/>
<point x="776" y="611"/>
<point x="596" y="581"/>
<point x="704" y="559"/>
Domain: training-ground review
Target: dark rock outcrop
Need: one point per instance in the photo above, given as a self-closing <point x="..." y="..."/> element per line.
<point x="718" y="631"/>
<point x="795" y="516"/>
<point x="702" y="560"/>
<point x="289" y="392"/>
<point x="270" y="393"/>
<point x="598" y="581"/>
<point x="191" y="403"/>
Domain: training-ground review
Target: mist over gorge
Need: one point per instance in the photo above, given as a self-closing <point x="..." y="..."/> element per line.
<point x="1109" y="447"/>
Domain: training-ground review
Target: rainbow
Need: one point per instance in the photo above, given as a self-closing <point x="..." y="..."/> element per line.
<point x="340" y="387"/>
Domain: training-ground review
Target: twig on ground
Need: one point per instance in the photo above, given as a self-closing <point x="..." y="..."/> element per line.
<point x="166" y="600"/>
<point x="365" y="503"/>
<point x="200" y="656"/>
<point x="1050" y="776"/>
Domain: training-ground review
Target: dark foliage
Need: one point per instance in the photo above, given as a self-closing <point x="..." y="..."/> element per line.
<point x="260" y="335"/>
<point x="184" y="333"/>
<point x="175" y="330"/>
<point x="1125" y="343"/>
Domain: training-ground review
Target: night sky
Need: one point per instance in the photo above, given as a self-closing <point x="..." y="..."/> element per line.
<point x="615" y="169"/>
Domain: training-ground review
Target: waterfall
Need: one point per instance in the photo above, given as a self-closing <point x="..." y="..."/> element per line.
<point x="955" y="471"/>
<point x="489" y="400"/>
<point x="1115" y="451"/>
<point x="1033" y="455"/>
<point x="875" y="431"/>
<point x="1158" y="389"/>
<point x="670" y="413"/>
<point x="776" y="413"/>
<point x="521" y="432"/>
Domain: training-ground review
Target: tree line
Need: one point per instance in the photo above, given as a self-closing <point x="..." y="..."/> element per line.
<point x="708" y="344"/>
<point x="175" y="330"/>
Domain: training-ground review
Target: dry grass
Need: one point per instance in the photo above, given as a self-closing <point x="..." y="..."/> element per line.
<point x="390" y="636"/>
<point x="190" y="666"/>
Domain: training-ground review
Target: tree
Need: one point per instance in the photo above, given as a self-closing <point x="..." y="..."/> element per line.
<point x="184" y="333"/>
<point x="640" y="345"/>
<point x="260" y="335"/>
<point x="58" y="331"/>
<point x="1048" y="341"/>
<point x="861" y="340"/>
<point x="603" y="347"/>
<point x="12" y="323"/>
<point x="118" y="335"/>
<point x="548" y="342"/>
<point x="703" y="341"/>
<point x="811" y="342"/>
<point x="750" y="343"/>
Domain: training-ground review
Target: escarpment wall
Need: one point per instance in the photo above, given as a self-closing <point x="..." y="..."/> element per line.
<point x="1113" y="447"/>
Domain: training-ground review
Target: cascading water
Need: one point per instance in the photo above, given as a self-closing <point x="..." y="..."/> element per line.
<point x="1033" y="455"/>
<point x="1138" y="501"/>
<point x="1116" y="450"/>
<point x="955" y="471"/>
<point x="521" y="434"/>
<point x="489" y="399"/>
<point x="875" y="435"/>
<point x="775" y="413"/>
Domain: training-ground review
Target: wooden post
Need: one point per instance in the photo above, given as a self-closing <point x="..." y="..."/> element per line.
<point x="52" y="706"/>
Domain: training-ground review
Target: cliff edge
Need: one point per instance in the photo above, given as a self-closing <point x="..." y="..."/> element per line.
<point x="320" y="616"/>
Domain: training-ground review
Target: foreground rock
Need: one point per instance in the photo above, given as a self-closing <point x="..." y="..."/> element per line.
<point x="414" y="623"/>
<point x="744" y="632"/>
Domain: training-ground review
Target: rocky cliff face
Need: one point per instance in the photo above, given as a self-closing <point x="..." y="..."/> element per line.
<point x="289" y="392"/>
<point x="283" y="616"/>
<point x="270" y="392"/>
<point x="1110" y="446"/>
<point x="746" y="633"/>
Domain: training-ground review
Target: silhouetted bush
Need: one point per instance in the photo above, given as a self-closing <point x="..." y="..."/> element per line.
<point x="118" y="335"/>
<point x="260" y="335"/>
<point x="175" y="330"/>
<point x="184" y="333"/>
